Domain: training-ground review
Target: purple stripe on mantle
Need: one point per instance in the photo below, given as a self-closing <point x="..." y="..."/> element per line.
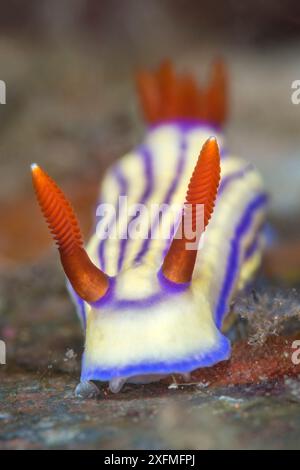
<point x="255" y="244"/>
<point x="252" y="248"/>
<point x="185" y="125"/>
<point x="174" y="183"/>
<point x="219" y="352"/>
<point x="225" y="182"/>
<point x="233" y="259"/>
<point x="145" y="154"/>
<point x="123" y="188"/>
<point x="232" y="177"/>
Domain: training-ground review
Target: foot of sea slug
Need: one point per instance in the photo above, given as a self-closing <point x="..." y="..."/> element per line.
<point x="86" y="390"/>
<point x="116" y="384"/>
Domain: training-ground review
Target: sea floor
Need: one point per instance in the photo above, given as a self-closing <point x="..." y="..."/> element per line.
<point x="251" y="401"/>
<point x="39" y="413"/>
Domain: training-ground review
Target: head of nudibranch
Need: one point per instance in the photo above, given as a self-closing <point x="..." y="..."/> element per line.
<point x="156" y="316"/>
<point x="145" y="335"/>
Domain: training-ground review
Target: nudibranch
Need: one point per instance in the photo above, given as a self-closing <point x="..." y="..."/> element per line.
<point x="155" y="305"/>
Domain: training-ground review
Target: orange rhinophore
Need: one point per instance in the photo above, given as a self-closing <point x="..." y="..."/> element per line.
<point x="166" y="95"/>
<point x="179" y="262"/>
<point x="88" y="281"/>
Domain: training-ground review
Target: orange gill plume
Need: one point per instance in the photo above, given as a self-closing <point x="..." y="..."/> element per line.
<point x="149" y="96"/>
<point x="165" y="95"/>
<point x="166" y="86"/>
<point x="217" y="93"/>
<point x="88" y="281"/>
<point x="179" y="262"/>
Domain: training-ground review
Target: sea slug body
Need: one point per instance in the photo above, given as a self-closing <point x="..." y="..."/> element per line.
<point x="150" y="305"/>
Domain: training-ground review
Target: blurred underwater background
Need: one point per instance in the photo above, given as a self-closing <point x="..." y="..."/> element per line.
<point x="69" y="68"/>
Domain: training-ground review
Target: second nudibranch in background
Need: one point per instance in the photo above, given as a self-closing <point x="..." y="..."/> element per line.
<point x="154" y="305"/>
